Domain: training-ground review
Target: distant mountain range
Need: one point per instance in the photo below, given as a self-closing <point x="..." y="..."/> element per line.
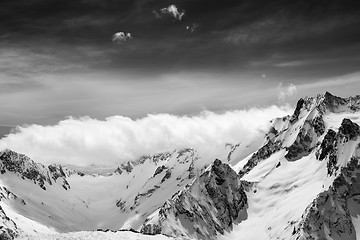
<point x="302" y="183"/>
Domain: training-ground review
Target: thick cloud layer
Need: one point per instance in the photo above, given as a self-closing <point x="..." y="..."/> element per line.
<point x="87" y="141"/>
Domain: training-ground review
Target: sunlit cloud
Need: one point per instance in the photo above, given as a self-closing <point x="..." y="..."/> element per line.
<point x="121" y="37"/>
<point x="172" y="10"/>
<point x="87" y="141"/>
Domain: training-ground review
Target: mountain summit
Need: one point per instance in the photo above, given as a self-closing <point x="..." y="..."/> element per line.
<point x="302" y="183"/>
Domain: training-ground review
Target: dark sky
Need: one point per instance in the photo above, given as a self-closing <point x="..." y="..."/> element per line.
<point x="57" y="58"/>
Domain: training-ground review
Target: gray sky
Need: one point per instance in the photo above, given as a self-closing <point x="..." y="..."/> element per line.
<point x="59" y="58"/>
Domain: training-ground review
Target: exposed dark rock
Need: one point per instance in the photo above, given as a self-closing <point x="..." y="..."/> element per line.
<point x="263" y="153"/>
<point x="159" y="170"/>
<point x="219" y="188"/>
<point x="306" y="139"/>
<point x="191" y="170"/>
<point x="28" y="169"/>
<point x="8" y="229"/>
<point x="121" y="204"/>
<point x="232" y="149"/>
<point x="328" y="148"/>
<point x="7" y="233"/>
<point x="167" y="175"/>
<point x="319" y="125"/>
<point x="127" y="167"/>
<point x="329" y="213"/>
<point x="327" y="145"/>
<point x="56" y="171"/>
<point x="300" y="148"/>
<point x="297" y="111"/>
<point x="25" y="167"/>
<point x="118" y="170"/>
<point x="333" y="103"/>
<point x="349" y="130"/>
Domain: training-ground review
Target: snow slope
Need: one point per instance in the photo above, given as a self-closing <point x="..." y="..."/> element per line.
<point x="52" y="199"/>
<point x="296" y="166"/>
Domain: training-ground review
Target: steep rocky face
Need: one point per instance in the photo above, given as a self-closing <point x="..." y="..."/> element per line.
<point x="209" y="206"/>
<point x="331" y="103"/>
<point x="306" y="139"/>
<point x="264" y="152"/>
<point x="349" y="130"/>
<point x="28" y="169"/>
<point x="327" y="145"/>
<point x="308" y="126"/>
<point x="330" y="214"/>
<point x="8" y="229"/>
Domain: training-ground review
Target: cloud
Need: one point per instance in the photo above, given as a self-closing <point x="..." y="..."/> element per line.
<point x="121" y="37"/>
<point x="157" y="15"/>
<point x="87" y="141"/>
<point x="284" y="92"/>
<point x="192" y="27"/>
<point x="172" y="10"/>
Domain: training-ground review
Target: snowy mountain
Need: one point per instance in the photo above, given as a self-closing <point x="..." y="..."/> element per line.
<point x="38" y="199"/>
<point x="302" y="183"/>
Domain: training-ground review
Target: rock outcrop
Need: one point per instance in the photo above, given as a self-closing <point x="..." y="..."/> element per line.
<point x="27" y="169"/>
<point x="209" y="206"/>
<point x="331" y="214"/>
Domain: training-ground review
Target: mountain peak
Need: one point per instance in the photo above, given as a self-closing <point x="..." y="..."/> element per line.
<point x="325" y="103"/>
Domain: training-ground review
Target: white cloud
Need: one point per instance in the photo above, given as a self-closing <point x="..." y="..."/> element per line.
<point x="86" y="141"/>
<point x="192" y="27"/>
<point x="120" y="37"/>
<point x="173" y="10"/>
<point x="284" y="92"/>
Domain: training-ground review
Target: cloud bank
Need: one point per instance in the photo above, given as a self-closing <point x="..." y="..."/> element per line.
<point x="87" y="141"/>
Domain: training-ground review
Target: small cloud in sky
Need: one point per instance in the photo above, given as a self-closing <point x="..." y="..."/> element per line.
<point x="192" y="27"/>
<point x="284" y="92"/>
<point x="172" y="10"/>
<point x="121" y="37"/>
<point x="157" y="15"/>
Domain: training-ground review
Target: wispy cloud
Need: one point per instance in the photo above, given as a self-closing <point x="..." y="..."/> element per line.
<point x="85" y="141"/>
<point x="277" y="30"/>
<point x="284" y="92"/>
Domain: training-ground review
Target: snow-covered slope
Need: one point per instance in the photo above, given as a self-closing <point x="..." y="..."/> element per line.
<point x="295" y="174"/>
<point x="47" y="199"/>
<point x="303" y="182"/>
